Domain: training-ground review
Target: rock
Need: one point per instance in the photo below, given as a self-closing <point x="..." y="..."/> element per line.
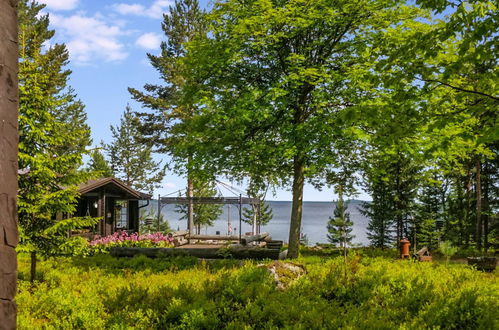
<point x="285" y="273"/>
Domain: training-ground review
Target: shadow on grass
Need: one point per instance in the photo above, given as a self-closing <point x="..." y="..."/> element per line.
<point x="140" y="263"/>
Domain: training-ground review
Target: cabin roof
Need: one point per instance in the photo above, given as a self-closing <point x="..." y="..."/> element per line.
<point x="92" y="185"/>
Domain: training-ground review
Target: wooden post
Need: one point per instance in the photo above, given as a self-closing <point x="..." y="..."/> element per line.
<point x="102" y="212"/>
<point x="8" y="161"/>
<point x="159" y="209"/>
<point x="240" y="215"/>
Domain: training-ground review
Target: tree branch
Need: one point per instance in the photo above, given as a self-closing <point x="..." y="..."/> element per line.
<point x="495" y="98"/>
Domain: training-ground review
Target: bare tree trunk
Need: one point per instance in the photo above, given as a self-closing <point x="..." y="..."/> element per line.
<point x="297" y="207"/>
<point x="190" y="206"/>
<point x="398" y="210"/>
<point x="467" y="208"/>
<point x="478" y="188"/>
<point x="33" y="267"/>
<point x="8" y="161"/>
<point x="256" y="215"/>
<point x="485" y="217"/>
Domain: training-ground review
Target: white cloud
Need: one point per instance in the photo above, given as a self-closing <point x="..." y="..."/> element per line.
<point x="89" y="38"/>
<point x="149" y="41"/>
<point x="156" y="10"/>
<point x="60" y="4"/>
<point x="126" y="9"/>
<point x="170" y="185"/>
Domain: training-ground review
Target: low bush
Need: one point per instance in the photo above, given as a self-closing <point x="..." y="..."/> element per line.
<point x="103" y="292"/>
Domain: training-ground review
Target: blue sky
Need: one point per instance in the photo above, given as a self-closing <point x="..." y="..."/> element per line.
<point x="107" y="43"/>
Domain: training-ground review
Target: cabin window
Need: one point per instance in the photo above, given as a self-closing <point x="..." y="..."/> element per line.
<point x="121" y="214"/>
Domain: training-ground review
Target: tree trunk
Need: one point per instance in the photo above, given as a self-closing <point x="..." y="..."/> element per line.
<point x="398" y="210"/>
<point x="190" y="206"/>
<point x="467" y="208"/>
<point x="255" y="217"/>
<point x="33" y="267"/>
<point x="297" y="207"/>
<point x="8" y="161"/>
<point x="478" y="188"/>
<point x="485" y="206"/>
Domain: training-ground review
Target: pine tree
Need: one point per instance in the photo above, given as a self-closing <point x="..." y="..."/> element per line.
<point x="204" y="214"/>
<point x="262" y="213"/>
<point x="98" y="165"/>
<point x="131" y="159"/>
<point x="149" y="222"/>
<point x="184" y="23"/>
<point x="339" y="226"/>
<point x="53" y="138"/>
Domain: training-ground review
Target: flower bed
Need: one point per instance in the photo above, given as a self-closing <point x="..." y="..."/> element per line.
<point x="103" y="244"/>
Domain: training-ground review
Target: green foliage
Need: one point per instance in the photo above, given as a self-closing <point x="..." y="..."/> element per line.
<point x="380" y="214"/>
<point x="447" y="250"/>
<point x="339" y="226"/>
<point x="103" y="292"/>
<point x="184" y="22"/>
<point x="98" y="165"/>
<point x="53" y="136"/>
<point x="204" y="214"/>
<point x="148" y="222"/>
<point x="131" y="159"/>
<point x="279" y="82"/>
<point x="261" y="213"/>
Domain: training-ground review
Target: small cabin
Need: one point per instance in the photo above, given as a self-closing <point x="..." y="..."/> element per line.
<point x="114" y="201"/>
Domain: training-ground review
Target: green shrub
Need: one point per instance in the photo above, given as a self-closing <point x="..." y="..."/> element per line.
<point x="103" y="292"/>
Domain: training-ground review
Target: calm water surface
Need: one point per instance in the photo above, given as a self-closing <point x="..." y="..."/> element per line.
<point x="315" y="217"/>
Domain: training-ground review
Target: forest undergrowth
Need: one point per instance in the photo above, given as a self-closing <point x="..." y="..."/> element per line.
<point x="102" y="292"/>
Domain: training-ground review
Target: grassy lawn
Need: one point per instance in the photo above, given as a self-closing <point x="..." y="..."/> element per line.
<point x="102" y="292"/>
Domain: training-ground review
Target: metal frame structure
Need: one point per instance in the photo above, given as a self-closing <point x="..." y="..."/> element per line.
<point x="210" y="200"/>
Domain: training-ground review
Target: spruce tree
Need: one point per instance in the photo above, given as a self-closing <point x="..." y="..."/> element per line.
<point x="380" y="212"/>
<point x="339" y="226"/>
<point x="53" y="138"/>
<point x="130" y="158"/>
<point x="428" y="218"/>
<point x="204" y="214"/>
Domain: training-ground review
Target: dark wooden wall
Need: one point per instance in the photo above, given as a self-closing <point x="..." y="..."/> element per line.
<point x="8" y="161"/>
<point x="133" y="215"/>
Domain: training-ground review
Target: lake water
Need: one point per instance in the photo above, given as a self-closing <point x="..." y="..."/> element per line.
<point x="314" y="221"/>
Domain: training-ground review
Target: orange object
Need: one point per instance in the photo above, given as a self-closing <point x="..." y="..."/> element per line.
<point x="404" y="248"/>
